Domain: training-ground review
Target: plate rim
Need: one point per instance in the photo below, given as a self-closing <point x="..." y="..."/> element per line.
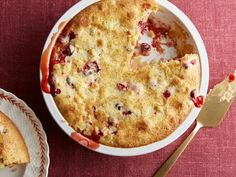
<point x="37" y="126"/>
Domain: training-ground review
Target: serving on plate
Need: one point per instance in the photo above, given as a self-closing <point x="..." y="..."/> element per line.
<point x="109" y="89"/>
<point x="30" y="128"/>
<point x="13" y="150"/>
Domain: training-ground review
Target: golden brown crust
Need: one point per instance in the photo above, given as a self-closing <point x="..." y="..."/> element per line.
<point x="102" y="96"/>
<point x="14" y="150"/>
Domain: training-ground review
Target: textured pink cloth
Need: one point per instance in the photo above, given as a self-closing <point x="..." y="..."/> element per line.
<point x="24" y="26"/>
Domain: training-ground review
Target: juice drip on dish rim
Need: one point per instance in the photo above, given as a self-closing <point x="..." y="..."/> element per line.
<point x="84" y="141"/>
<point x="45" y="58"/>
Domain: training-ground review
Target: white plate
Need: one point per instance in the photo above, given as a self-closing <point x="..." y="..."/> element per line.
<point x="33" y="134"/>
<point x="172" y="15"/>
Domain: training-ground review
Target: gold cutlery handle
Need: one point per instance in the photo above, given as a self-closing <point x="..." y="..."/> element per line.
<point x="165" y="168"/>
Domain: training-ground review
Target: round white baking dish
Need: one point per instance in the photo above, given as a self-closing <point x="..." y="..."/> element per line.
<point x="173" y="13"/>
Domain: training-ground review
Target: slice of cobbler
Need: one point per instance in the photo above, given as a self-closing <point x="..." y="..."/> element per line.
<point x="13" y="150"/>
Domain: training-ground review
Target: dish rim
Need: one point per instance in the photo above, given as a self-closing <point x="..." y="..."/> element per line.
<point x="116" y="151"/>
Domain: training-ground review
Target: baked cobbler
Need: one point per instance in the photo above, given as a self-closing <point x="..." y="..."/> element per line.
<point x="103" y="88"/>
<point x="13" y="150"/>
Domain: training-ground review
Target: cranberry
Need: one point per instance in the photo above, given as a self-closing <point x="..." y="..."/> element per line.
<point x="193" y="62"/>
<point x="67" y="51"/>
<point x="90" y="68"/>
<point x="193" y="93"/>
<point x="51" y="81"/>
<point x="167" y="94"/>
<point x="95" y="136"/>
<point x="143" y="26"/>
<point x="119" y="106"/>
<point x="122" y="86"/>
<point x="57" y="91"/>
<point x="62" y="58"/>
<point x="145" y="49"/>
<point x="72" y="35"/>
<point x="68" y="81"/>
<point x="231" y="77"/>
<point x="54" y="62"/>
<point x="185" y="65"/>
<point x="146" y="6"/>
<point x="90" y="84"/>
<point x="198" y="102"/>
<point x="155" y="42"/>
<point x="110" y="123"/>
<point x="126" y="113"/>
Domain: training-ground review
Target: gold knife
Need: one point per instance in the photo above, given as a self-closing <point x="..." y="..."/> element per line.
<point x="217" y="103"/>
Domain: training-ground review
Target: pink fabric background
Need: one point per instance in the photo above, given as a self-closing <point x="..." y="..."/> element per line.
<point x="24" y="26"/>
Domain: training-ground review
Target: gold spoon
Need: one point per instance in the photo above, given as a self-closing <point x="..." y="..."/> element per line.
<point x="212" y="113"/>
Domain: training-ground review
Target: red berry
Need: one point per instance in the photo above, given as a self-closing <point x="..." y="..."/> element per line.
<point x="68" y="81"/>
<point x="185" y="65"/>
<point x="96" y="136"/>
<point x="110" y="123"/>
<point x="198" y="102"/>
<point x="146" y="6"/>
<point x="143" y="26"/>
<point x="145" y="49"/>
<point x="155" y="42"/>
<point x="54" y="62"/>
<point x="62" y="58"/>
<point x="90" y="68"/>
<point x="126" y="113"/>
<point x="193" y="62"/>
<point x="193" y="93"/>
<point x="119" y="106"/>
<point x="231" y="78"/>
<point x="122" y="86"/>
<point x="72" y="35"/>
<point x="55" y="91"/>
<point x="67" y="51"/>
<point x="167" y="94"/>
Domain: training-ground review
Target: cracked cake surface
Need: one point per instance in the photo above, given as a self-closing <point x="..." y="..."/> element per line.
<point x="102" y="89"/>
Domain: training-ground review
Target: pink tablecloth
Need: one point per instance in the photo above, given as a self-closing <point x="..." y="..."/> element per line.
<point x="24" y="26"/>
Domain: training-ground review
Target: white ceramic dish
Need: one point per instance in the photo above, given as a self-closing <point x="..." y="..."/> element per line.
<point x="33" y="134"/>
<point x="170" y="13"/>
